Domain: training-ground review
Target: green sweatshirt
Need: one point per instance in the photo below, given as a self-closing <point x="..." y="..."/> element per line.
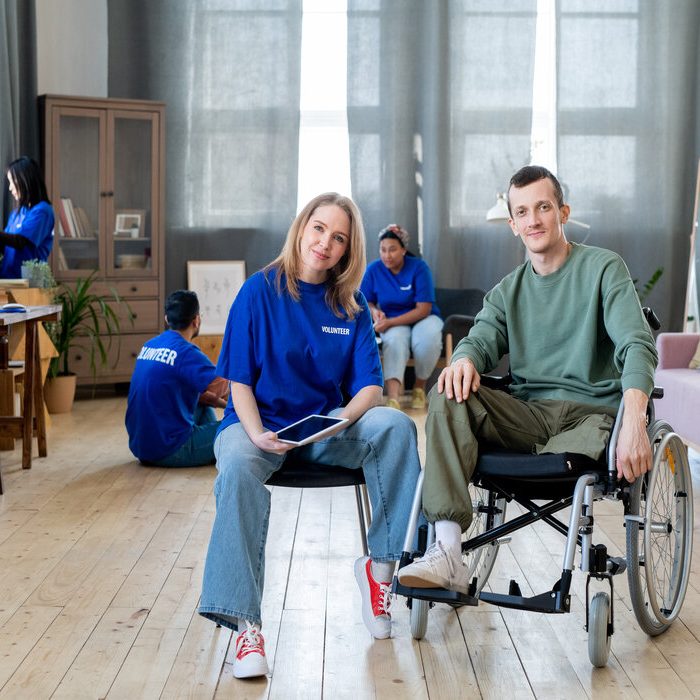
<point x="578" y="334"/>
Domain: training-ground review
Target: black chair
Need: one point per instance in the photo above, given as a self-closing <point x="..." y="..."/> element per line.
<point x="458" y="308"/>
<point x="299" y="474"/>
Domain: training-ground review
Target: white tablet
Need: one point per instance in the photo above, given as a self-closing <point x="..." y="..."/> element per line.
<point x="309" y="429"/>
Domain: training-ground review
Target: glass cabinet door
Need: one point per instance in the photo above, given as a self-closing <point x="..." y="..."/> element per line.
<point x="131" y="226"/>
<point x="79" y="204"/>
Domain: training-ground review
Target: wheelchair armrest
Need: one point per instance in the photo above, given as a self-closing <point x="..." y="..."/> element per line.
<point x="495" y="382"/>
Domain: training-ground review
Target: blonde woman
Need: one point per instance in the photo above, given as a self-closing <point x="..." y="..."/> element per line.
<point x="299" y="336"/>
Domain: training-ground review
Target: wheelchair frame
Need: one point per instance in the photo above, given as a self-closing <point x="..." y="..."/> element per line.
<point x="654" y="539"/>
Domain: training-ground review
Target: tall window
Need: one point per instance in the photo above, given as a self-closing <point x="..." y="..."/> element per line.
<point x="543" y="149"/>
<point x="324" y="154"/>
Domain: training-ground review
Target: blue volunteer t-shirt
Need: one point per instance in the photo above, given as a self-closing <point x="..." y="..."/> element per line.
<point x="298" y="357"/>
<point x="397" y="294"/>
<point x="169" y="375"/>
<point x="34" y="224"/>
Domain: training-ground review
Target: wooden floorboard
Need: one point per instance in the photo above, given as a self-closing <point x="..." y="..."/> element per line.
<point x="101" y="563"/>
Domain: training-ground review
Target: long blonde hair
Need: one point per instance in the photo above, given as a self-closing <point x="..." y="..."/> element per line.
<point x="343" y="279"/>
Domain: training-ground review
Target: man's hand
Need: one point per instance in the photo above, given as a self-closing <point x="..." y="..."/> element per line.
<point x="458" y="380"/>
<point x="633" y="454"/>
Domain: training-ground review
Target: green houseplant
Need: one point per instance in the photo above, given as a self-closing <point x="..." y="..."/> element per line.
<point x="39" y="274"/>
<point x="88" y="321"/>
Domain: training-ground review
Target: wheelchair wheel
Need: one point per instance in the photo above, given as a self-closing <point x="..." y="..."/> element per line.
<point x="598" y="637"/>
<point x="489" y="512"/>
<point x="419" y="618"/>
<point x="660" y="537"/>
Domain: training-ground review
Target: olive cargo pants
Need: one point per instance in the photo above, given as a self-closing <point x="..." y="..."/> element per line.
<point x="455" y="430"/>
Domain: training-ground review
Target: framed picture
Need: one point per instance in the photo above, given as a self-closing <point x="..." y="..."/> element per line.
<point x="129" y="223"/>
<point x="216" y="283"/>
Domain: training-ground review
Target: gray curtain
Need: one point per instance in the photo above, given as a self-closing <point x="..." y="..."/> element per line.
<point x="19" y="124"/>
<point x="628" y="124"/>
<point x="439" y="113"/>
<point x="229" y="73"/>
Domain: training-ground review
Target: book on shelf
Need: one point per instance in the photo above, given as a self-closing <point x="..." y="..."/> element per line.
<point x="84" y="227"/>
<point x="63" y="227"/>
<point x="72" y="229"/>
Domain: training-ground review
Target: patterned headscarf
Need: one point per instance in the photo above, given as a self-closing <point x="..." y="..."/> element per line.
<point x="396" y="232"/>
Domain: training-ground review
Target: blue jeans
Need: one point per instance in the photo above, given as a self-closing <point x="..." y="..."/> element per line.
<point x="423" y="339"/>
<point x="382" y="443"/>
<point x="199" y="448"/>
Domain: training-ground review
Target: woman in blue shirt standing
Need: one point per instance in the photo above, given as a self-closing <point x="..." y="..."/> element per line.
<point x="298" y="337"/>
<point x="401" y="296"/>
<point x="29" y="231"/>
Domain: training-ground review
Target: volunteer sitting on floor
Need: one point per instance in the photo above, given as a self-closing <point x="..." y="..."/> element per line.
<point x="401" y="296"/>
<point x="169" y="415"/>
<point x="299" y="336"/>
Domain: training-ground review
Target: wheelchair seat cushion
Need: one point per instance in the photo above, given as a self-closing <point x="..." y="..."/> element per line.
<point x="514" y="465"/>
<point x="537" y="477"/>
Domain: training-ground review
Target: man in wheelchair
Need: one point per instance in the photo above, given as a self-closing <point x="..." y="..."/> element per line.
<point x="578" y="341"/>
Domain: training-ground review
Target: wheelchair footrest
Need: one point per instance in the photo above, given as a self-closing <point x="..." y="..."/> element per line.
<point x="550" y="602"/>
<point x="435" y="595"/>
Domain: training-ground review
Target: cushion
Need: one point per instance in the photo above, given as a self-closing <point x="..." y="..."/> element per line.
<point x="695" y="362"/>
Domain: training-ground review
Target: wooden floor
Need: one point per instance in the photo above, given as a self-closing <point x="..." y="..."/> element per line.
<point x="100" y="572"/>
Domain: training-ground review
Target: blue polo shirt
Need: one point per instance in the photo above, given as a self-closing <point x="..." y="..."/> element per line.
<point x="297" y="356"/>
<point x="36" y="225"/>
<point x="397" y="294"/>
<point x="169" y="375"/>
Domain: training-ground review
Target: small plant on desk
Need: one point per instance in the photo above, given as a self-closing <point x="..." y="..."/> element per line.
<point x="39" y="274"/>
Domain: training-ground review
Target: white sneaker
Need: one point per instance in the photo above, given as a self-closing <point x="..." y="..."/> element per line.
<point x="376" y="600"/>
<point x="250" y="660"/>
<point x="438" y="568"/>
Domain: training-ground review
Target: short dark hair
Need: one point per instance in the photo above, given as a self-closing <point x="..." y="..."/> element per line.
<point x="181" y="308"/>
<point x="532" y="173"/>
<point x="26" y="175"/>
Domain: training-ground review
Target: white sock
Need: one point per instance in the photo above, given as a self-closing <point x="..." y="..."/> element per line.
<point x="382" y="571"/>
<point x="449" y="533"/>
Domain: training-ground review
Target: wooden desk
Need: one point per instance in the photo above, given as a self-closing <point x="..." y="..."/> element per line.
<point x="26" y="425"/>
<point x="30" y="296"/>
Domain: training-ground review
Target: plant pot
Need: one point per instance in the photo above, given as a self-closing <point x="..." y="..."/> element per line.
<point x="59" y="393"/>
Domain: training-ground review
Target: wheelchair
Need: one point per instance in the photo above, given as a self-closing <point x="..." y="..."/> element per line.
<point x="658" y="518"/>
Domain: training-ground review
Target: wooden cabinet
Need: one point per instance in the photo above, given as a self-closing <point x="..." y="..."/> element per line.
<point x="104" y="162"/>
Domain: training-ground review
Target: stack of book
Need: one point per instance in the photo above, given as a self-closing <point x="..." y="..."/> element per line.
<point x="73" y="222"/>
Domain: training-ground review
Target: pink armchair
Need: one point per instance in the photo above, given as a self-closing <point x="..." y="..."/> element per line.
<point x="681" y="403"/>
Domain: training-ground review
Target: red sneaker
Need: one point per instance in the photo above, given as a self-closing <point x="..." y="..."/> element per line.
<point x="376" y="600"/>
<point x="250" y="660"/>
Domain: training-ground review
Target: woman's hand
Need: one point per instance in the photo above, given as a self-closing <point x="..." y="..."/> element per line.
<point x="377" y="314"/>
<point x="383" y="324"/>
<point x="247" y="410"/>
<point x="366" y="398"/>
<point x="268" y="442"/>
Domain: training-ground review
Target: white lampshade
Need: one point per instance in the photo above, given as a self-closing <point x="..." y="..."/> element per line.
<point x="499" y="211"/>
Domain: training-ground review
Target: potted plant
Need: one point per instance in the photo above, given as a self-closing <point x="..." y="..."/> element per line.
<point x="87" y="322"/>
<point x="39" y="274"/>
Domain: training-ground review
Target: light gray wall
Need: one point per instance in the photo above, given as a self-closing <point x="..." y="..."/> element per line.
<point x="72" y="47"/>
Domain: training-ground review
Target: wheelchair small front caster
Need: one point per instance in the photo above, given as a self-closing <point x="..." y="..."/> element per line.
<point x="598" y="627"/>
<point x="419" y="618"/>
